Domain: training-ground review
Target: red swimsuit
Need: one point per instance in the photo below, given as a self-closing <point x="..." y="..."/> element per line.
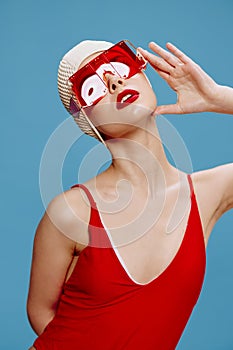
<point x="102" y="308"/>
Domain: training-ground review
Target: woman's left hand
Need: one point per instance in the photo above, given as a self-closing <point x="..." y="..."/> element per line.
<point x="196" y="90"/>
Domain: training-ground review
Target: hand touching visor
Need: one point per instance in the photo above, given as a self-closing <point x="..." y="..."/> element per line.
<point x="89" y="83"/>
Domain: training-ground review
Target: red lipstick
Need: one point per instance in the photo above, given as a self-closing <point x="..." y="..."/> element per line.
<point x="125" y="97"/>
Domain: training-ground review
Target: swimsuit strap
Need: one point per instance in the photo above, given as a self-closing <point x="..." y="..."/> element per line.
<point x="93" y="203"/>
<point x="190" y="184"/>
<point x="88" y="193"/>
<point x="98" y="236"/>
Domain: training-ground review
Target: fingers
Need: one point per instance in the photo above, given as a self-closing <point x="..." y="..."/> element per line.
<point x="167" y="56"/>
<point x="166" y="62"/>
<point x="164" y="75"/>
<point x="173" y="58"/>
<point x="178" y="53"/>
<point x="157" y="62"/>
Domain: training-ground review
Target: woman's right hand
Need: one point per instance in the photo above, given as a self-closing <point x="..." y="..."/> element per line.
<point x="32" y="348"/>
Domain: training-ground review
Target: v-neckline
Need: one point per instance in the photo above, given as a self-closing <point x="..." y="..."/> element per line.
<point x="120" y="260"/>
<point x="123" y="266"/>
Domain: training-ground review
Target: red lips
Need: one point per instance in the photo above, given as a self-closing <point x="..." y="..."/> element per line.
<point x="125" y="97"/>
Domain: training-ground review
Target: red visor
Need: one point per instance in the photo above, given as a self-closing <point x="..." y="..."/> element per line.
<point x="89" y="84"/>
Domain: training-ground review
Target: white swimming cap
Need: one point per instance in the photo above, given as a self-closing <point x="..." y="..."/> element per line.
<point x="68" y="66"/>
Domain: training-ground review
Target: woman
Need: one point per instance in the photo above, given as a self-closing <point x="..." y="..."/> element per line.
<point x="109" y="271"/>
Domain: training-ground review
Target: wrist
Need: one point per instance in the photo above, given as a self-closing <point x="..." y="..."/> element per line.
<point x="215" y="98"/>
<point x="222" y="99"/>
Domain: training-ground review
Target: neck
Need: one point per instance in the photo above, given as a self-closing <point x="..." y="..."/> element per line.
<point x="139" y="157"/>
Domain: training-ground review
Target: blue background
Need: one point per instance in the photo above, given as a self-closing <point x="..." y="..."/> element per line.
<point x="34" y="36"/>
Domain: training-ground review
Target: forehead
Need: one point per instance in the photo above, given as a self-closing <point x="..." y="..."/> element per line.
<point x="89" y="58"/>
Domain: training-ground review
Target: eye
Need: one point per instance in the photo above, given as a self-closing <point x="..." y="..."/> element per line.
<point x="92" y="89"/>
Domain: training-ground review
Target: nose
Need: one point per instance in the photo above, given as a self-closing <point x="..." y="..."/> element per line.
<point x="113" y="82"/>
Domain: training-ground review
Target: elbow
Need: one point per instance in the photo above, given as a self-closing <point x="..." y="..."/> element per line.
<point x="33" y="319"/>
<point x="38" y="317"/>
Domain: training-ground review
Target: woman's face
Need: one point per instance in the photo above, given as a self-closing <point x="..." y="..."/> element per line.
<point x="128" y="101"/>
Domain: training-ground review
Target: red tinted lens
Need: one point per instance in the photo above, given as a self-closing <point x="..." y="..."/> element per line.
<point x="88" y="82"/>
<point x="122" y="53"/>
<point x="85" y="84"/>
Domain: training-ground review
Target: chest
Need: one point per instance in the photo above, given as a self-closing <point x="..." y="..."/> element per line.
<point x="148" y="249"/>
<point x="105" y="274"/>
<point x="147" y="233"/>
<point x="146" y="240"/>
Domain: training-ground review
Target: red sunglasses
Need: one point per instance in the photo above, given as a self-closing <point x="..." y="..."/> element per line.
<point x="89" y="83"/>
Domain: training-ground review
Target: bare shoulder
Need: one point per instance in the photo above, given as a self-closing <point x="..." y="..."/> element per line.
<point x="214" y="194"/>
<point x="69" y="212"/>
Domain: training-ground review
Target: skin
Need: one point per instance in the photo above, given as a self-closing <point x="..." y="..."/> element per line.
<point x="139" y="177"/>
<point x="196" y="90"/>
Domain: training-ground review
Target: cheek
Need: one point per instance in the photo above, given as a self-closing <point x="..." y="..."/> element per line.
<point x="100" y="113"/>
<point x="141" y="83"/>
<point x="148" y="97"/>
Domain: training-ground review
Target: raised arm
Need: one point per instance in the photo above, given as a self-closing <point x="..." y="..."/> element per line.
<point x="196" y="90"/>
